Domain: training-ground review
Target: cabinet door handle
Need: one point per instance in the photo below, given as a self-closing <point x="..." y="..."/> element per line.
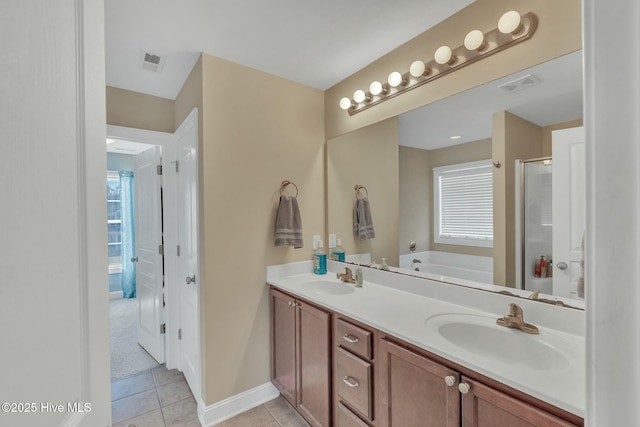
<point x="464" y="388"/>
<point x="351" y="382"/>
<point x="350" y="338"/>
<point x="450" y="380"/>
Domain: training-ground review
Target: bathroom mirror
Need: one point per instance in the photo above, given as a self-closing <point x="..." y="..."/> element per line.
<point x="511" y="119"/>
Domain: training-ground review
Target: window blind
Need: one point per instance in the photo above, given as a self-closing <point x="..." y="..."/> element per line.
<point x="464" y="204"/>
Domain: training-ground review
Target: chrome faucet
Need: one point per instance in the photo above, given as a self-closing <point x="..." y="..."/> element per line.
<point x="347" y="276"/>
<point x="416" y="261"/>
<point x="515" y="320"/>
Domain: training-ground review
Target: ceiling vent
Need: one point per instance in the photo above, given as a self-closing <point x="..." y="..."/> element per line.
<point x="520" y="84"/>
<point x="152" y="62"/>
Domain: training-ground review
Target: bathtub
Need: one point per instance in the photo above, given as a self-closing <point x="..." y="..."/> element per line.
<point x="434" y="263"/>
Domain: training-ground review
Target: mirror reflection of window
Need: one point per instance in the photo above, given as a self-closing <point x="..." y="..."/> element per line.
<point x="463" y="201"/>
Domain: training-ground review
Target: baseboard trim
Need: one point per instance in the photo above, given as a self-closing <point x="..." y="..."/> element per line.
<point x="234" y="405"/>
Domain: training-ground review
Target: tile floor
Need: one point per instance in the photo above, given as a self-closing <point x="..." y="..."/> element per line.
<point x="161" y="398"/>
<point x="154" y="398"/>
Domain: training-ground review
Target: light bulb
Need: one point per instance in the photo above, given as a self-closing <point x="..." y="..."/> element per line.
<point x="444" y="55"/>
<point x="395" y="79"/>
<point x="345" y="103"/>
<point x="418" y="69"/>
<point x="475" y="40"/>
<point x="359" y="96"/>
<point x="375" y="88"/>
<point x="510" y="22"/>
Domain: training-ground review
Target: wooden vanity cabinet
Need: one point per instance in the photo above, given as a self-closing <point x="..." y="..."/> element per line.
<point x="413" y="390"/>
<point x="301" y="356"/>
<point x="368" y="379"/>
<point x="354" y="373"/>
<point x="416" y="391"/>
<point x="483" y="406"/>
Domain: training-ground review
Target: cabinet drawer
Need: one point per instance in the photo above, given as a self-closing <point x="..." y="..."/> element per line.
<point x="354" y="383"/>
<point x="354" y="338"/>
<point x="346" y="418"/>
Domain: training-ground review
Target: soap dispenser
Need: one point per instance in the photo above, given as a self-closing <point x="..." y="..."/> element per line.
<point x="338" y="252"/>
<point x="320" y="260"/>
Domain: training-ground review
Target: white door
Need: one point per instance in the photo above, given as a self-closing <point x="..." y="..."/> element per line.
<point x="188" y="280"/>
<point x="149" y="269"/>
<point x="569" y="209"/>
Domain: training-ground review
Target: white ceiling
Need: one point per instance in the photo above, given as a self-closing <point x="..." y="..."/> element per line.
<point x="122" y="146"/>
<point x="555" y="99"/>
<point x="316" y="43"/>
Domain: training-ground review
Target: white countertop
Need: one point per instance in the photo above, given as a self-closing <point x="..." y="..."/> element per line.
<point x="400" y="306"/>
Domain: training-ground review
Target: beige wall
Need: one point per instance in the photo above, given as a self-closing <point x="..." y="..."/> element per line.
<point x="415" y="201"/>
<point x="257" y="131"/>
<point x="559" y="33"/>
<point x="140" y="111"/>
<point x="513" y="138"/>
<point x="368" y="157"/>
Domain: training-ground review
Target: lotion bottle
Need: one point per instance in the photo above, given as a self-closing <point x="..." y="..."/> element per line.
<point x="320" y="260"/>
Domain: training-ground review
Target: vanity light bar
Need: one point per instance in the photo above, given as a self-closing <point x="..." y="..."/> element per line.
<point x="512" y="29"/>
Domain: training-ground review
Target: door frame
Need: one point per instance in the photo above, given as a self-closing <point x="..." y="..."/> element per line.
<point x="172" y="307"/>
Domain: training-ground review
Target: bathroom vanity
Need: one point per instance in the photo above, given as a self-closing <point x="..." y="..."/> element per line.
<point x="402" y="352"/>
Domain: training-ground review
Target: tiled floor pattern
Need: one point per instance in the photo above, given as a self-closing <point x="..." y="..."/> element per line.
<point x="161" y="398"/>
<point x="154" y="398"/>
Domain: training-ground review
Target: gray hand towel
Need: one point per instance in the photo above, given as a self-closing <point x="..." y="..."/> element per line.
<point x="288" y="223"/>
<point x="362" y="221"/>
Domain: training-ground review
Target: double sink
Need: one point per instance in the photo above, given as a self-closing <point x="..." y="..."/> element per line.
<point x="481" y="336"/>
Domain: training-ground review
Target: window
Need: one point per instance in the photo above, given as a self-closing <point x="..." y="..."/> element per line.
<point x="463" y="204"/>
<point x="114" y="222"/>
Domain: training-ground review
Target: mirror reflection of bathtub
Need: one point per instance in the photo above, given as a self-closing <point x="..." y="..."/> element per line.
<point x="467" y="267"/>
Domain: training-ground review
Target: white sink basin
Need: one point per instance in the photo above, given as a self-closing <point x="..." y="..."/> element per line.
<point x="483" y="338"/>
<point x="328" y="287"/>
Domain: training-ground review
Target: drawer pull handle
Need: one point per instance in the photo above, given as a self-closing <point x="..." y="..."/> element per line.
<point x="450" y="380"/>
<point x="351" y="382"/>
<point x="350" y="338"/>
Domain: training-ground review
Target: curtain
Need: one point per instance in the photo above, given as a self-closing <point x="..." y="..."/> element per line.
<point x="128" y="235"/>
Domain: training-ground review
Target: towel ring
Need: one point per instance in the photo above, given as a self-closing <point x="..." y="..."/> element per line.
<point x="361" y="187"/>
<point x="285" y="183"/>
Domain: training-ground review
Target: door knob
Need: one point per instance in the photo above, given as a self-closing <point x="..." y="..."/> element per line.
<point x="134" y="259"/>
<point x="562" y="265"/>
<point x="450" y="380"/>
<point x="464" y="388"/>
<point x="191" y="279"/>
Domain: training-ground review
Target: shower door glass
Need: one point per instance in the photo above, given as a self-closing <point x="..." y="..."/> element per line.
<point x="537" y="225"/>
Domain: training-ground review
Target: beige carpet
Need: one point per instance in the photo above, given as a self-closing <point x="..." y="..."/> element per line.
<point x="127" y="357"/>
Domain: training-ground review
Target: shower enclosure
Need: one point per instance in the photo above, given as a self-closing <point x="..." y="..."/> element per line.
<point x="536" y="224"/>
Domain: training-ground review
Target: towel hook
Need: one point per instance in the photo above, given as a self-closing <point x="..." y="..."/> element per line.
<point x="285" y="183"/>
<point x="361" y="187"/>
